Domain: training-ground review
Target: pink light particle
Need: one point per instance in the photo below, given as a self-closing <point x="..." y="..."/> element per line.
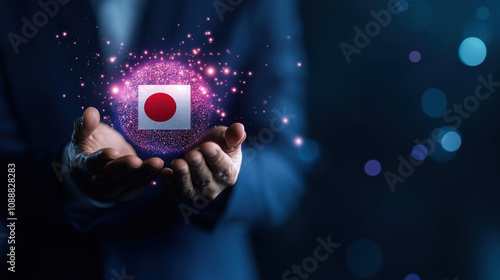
<point x="210" y="71"/>
<point x="298" y="141"/>
<point x="64" y="34"/>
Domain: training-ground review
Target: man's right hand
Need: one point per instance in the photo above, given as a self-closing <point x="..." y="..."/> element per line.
<point x="104" y="165"/>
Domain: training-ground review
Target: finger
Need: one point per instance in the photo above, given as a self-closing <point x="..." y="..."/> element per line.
<point x="216" y="135"/>
<point x="201" y="176"/>
<point x="234" y="136"/>
<point x="220" y="164"/>
<point x="113" y="179"/>
<point x="136" y="181"/>
<point x="182" y="179"/>
<point x="167" y="181"/>
<point x="228" y="138"/>
<point x="96" y="161"/>
<point x="117" y="169"/>
<point x="149" y="170"/>
<point x="85" y="126"/>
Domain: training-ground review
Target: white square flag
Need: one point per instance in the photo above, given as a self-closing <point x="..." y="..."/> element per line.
<point x="164" y="107"/>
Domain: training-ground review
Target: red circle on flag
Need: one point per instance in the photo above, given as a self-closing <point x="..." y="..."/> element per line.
<point x="160" y="107"/>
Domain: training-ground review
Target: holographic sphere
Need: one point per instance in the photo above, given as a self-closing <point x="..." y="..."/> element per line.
<point x="164" y="141"/>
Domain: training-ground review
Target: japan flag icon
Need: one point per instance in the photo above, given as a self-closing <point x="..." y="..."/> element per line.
<point x="164" y="107"/>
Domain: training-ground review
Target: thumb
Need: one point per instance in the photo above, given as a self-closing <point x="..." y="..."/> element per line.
<point x="85" y="125"/>
<point x="235" y="135"/>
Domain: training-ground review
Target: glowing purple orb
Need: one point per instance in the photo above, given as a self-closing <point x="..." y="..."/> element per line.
<point x="373" y="167"/>
<point x="415" y="56"/>
<point x="165" y="141"/>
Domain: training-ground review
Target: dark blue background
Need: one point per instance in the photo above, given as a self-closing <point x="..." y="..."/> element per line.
<point x="443" y="221"/>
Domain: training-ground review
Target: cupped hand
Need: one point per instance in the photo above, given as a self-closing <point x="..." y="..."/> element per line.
<point x="104" y="165"/>
<point x="208" y="168"/>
